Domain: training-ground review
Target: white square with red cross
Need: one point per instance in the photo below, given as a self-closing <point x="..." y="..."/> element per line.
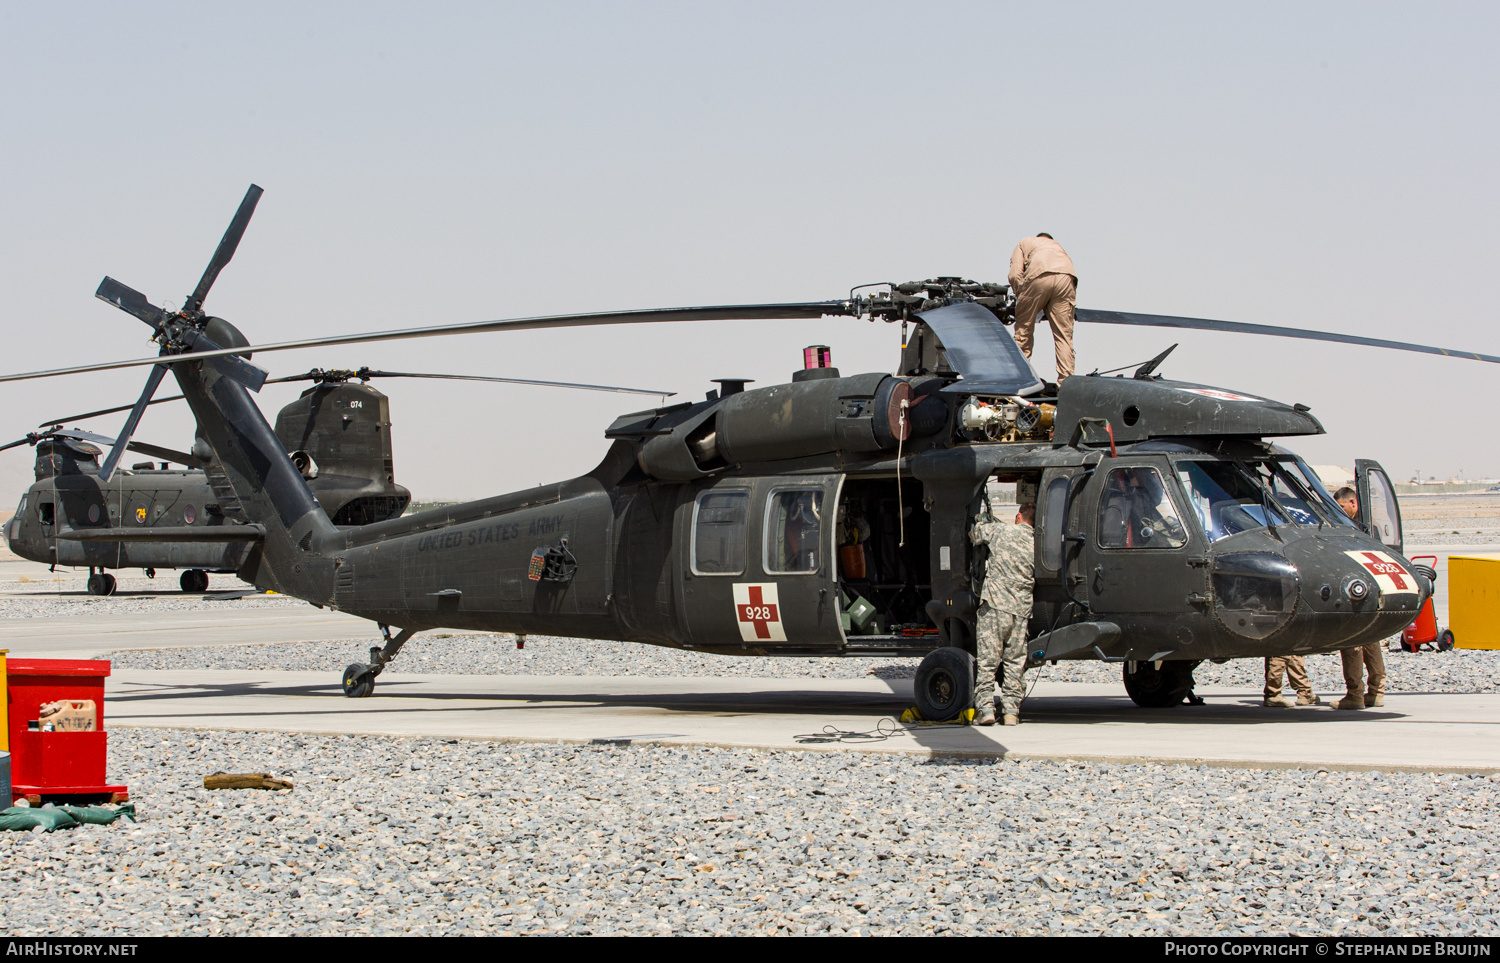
<point x="758" y="611"/>
<point x="1392" y="577"/>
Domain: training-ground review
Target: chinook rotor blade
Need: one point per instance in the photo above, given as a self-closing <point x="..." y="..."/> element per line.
<point x="115" y="410"/>
<point x="81" y="435"/>
<point x="225" y="251"/>
<point x="155" y="451"/>
<point x="118" y="451"/>
<point x="748" y="312"/>
<point x="1094" y="316"/>
<point x="369" y="373"/>
<point x="131" y="301"/>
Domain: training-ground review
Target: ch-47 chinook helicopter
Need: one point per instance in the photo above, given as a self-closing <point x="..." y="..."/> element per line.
<point x="337" y="433"/>
<point x="829" y="516"/>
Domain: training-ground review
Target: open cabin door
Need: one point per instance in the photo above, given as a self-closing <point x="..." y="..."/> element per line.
<point x="759" y="568"/>
<point x="1379" y="512"/>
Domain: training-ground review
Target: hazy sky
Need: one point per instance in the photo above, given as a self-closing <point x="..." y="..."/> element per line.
<point x="1329" y="166"/>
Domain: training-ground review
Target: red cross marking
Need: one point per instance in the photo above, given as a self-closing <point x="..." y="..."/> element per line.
<point x="758" y="613"/>
<point x="1379" y="566"/>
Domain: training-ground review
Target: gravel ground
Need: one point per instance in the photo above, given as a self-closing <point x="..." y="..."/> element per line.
<point x="65" y="593"/>
<point x="432" y="836"/>
<point x="1462" y="670"/>
<point x="497" y="655"/>
<point x="1458" y="671"/>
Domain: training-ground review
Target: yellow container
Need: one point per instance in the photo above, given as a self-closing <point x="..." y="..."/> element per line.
<point x="4" y="701"/>
<point x="1474" y="600"/>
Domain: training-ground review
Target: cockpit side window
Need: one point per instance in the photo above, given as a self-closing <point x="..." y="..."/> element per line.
<point x="1135" y="511"/>
<point x="44" y="512"/>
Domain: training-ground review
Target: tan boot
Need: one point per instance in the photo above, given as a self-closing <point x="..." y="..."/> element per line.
<point x="1278" y="701"/>
<point x="1011" y="719"/>
<point x="986" y="718"/>
<point x="1375" y="699"/>
<point x="1308" y="699"/>
<point x="1353" y="700"/>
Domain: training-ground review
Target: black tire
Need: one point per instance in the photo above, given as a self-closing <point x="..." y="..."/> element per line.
<point x="1445" y="641"/>
<point x="944" y="685"/>
<point x="95" y="585"/>
<point x="151" y="573"/>
<point x="1153" y="688"/>
<point x="194" y="581"/>
<point x="359" y="681"/>
<point x="109" y="584"/>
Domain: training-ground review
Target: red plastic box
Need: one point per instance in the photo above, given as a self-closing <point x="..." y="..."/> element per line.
<point x="57" y="764"/>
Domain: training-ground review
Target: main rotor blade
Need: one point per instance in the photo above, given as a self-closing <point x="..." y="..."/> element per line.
<point x="29" y="439"/>
<point x="225" y="251"/>
<point x="118" y="451"/>
<point x="1093" y="316"/>
<point x="108" y="411"/>
<point x="749" y="312"/>
<point x="368" y="373"/>
<point x="155" y="451"/>
<point x="81" y="435"/>
<point x="131" y="301"/>
<point x="168" y="454"/>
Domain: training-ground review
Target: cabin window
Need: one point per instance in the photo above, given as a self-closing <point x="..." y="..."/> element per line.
<point x="719" y="530"/>
<point x="794" y="526"/>
<point x="1135" y="511"/>
<point x="44" y="512"/>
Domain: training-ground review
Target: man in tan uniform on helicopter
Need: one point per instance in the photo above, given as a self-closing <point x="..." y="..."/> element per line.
<point x="1043" y="279"/>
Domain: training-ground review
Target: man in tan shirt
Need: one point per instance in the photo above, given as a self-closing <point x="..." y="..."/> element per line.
<point x="1042" y="276"/>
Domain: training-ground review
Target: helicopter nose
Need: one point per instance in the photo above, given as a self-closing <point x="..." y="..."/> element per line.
<point x="1353" y="579"/>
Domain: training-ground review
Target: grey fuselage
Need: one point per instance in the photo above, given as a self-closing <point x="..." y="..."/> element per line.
<point x="635" y="528"/>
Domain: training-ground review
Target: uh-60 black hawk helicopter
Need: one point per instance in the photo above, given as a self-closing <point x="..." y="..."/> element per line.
<point x="829" y="516"/>
<point x="337" y="433"/>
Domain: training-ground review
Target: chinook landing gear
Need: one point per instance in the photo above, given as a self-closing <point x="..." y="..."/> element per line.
<point x="359" y="679"/>
<point x="194" y="580"/>
<point x="944" y="684"/>
<point x="101" y="583"/>
<point x="1158" y="685"/>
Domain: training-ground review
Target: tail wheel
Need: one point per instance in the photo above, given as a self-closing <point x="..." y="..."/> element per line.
<point x="944" y="685"/>
<point x="359" y="681"/>
<point x="1445" y="641"/>
<point x="1153" y="688"/>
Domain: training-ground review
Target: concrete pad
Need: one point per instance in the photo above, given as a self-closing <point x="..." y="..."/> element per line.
<point x="1062" y="720"/>
<point x="90" y="636"/>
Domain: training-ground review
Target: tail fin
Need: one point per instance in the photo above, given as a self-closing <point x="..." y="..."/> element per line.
<point x="296" y="557"/>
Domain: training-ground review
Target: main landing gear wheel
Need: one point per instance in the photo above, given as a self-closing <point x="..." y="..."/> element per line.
<point x="101" y="583"/>
<point x="194" y="580"/>
<point x="1153" y="688"/>
<point x="944" y="685"/>
<point x="359" y="681"/>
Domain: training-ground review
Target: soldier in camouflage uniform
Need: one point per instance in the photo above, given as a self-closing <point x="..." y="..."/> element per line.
<point x="1005" y="607"/>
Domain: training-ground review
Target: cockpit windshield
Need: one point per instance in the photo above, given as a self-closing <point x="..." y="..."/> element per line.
<point x="1229" y="497"/>
<point x="1233" y="497"/>
<point x="1301" y="471"/>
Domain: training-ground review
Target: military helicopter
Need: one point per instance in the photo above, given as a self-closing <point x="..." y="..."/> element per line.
<point x="829" y="516"/>
<point x="337" y="433"/>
